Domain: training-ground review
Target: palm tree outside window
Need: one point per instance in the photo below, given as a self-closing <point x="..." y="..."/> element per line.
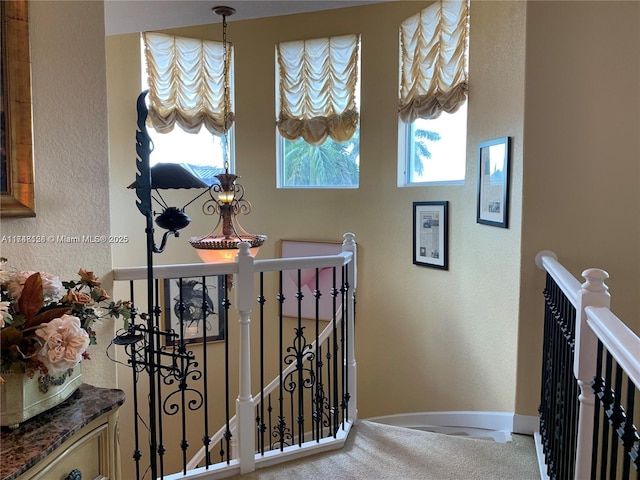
<point x="318" y="120"/>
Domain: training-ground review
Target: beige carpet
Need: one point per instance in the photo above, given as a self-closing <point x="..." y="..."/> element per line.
<point x="375" y="452"/>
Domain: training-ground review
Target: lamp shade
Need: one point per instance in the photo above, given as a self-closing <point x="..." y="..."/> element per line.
<point x="222" y="255"/>
<point x="171" y="175"/>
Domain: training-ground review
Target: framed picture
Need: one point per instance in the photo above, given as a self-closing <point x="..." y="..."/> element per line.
<point x="17" y="187"/>
<point x="431" y="234"/>
<point x="192" y="326"/>
<point x="493" y="182"/>
<point x="294" y="248"/>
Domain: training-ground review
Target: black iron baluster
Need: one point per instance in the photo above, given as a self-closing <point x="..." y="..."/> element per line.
<point x="137" y="453"/>
<point x="343" y="350"/>
<point x="335" y="406"/>
<point x="606" y="399"/>
<point x="261" y="425"/>
<point x="616" y="416"/>
<point x="345" y="318"/>
<point x="559" y="405"/>
<point x="550" y="320"/>
<point x="598" y="389"/>
<point x="628" y="433"/>
<point x="320" y="398"/>
<point x="281" y="425"/>
<point x="552" y="391"/>
<point x="329" y="408"/>
<point x="299" y="364"/>
<point x="270" y="411"/>
<point x="156" y="314"/>
<point x="544" y="386"/>
<point x="206" y="438"/>
<point x="184" y="444"/>
<point x="226" y="305"/>
<point x="315" y="427"/>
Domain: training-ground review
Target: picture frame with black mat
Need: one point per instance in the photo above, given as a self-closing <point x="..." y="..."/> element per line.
<point x="431" y="234"/>
<point x="494" y="165"/>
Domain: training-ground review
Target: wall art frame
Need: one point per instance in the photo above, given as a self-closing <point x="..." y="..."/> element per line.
<point x="304" y="248"/>
<point x="17" y="189"/>
<point x="191" y="330"/>
<point x="494" y="166"/>
<point x="431" y="234"/>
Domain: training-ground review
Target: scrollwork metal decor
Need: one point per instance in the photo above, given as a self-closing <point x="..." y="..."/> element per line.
<point x="194" y="310"/>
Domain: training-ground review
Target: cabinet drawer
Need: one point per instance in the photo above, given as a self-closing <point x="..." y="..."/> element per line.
<point x="87" y="454"/>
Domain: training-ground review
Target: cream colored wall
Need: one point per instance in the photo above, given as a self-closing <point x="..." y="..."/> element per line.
<point x="427" y="339"/>
<point x="71" y="154"/>
<point x="582" y="160"/>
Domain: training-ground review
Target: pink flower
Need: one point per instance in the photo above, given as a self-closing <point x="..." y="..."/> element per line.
<point x="79" y="298"/>
<point x="52" y="287"/>
<point x="64" y="343"/>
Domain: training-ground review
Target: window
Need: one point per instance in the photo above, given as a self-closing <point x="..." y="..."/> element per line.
<point x="184" y="130"/>
<point x="432" y="126"/>
<point x="317" y="97"/>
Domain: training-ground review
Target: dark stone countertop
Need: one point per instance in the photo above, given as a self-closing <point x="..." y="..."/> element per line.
<point x="37" y="437"/>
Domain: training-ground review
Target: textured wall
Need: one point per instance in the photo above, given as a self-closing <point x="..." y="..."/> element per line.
<point x="582" y="168"/>
<point x="427" y="340"/>
<point x="70" y="153"/>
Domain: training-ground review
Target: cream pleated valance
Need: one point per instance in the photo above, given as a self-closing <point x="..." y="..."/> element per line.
<point x="434" y="65"/>
<point x="186" y="84"/>
<point x="317" y="86"/>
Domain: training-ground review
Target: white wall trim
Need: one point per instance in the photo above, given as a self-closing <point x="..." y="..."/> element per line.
<point x="542" y="467"/>
<point x="498" y="425"/>
<point x="526" y="424"/>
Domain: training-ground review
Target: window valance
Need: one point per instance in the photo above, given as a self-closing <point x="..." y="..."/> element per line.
<point x="317" y="88"/>
<point x="186" y="84"/>
<point x="434" y="64"/>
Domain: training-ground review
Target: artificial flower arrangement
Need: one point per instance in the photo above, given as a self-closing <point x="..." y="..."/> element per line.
<point x="46" y="323"/>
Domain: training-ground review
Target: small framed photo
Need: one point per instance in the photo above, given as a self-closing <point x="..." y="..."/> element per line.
<point x="307" y="280"/>
<point x="193" y="323"/>
<point x="431" y="234"/>
<point x="494" y="158"/>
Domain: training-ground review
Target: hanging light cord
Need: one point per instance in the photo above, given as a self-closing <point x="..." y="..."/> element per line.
<point x="226" y="102"/>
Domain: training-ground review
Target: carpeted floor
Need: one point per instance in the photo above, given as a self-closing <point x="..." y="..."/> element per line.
<point x="379" y="452"/>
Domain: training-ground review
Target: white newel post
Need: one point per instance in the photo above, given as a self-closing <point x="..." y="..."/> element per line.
<point x="349" y="245"/>
<point x="244" y="403"/>
<point x="594" y="293"/>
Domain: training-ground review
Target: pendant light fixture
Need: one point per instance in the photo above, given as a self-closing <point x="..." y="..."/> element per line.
<point x="226" y="198"/>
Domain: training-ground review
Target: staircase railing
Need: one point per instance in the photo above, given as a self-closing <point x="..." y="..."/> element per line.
<point x="590" y="380"/>
<point x="309" y="403"/>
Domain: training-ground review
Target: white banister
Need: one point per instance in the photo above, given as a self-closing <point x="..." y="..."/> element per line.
<point x="619" y="340"/>
<point x="548" y="260"/>
<point x="349" y="245"/>
<point x="175" y="271"/>
<point x="593" y="293"/>
<point x="242" y="455"/>
<point x="244" y="403"/>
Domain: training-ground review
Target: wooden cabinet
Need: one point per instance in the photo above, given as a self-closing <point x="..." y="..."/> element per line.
<point x="80" y="436"/>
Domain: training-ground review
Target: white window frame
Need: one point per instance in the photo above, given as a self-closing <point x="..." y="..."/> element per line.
<point x="280" y="184"/>
<point x="405" y="155"/>
<point x="203" y="131"/>
<point x="280" y="169"/>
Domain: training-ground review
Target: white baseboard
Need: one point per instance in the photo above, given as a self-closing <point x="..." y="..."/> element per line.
<point x="526" y="424"/>
<point x="497" y="425"/>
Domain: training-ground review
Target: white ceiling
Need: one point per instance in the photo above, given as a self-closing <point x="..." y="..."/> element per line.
<point x="130" y="16"/>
